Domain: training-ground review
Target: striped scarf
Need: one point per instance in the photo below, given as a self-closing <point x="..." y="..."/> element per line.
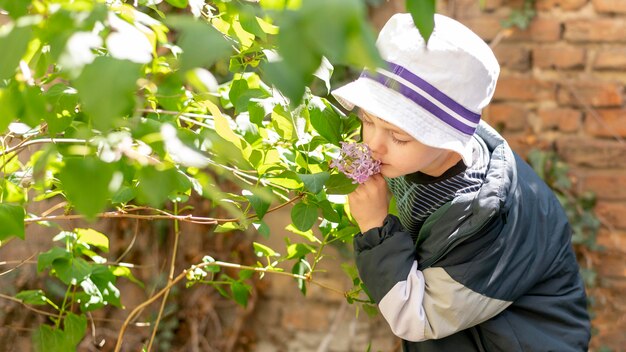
<point x="419" y="195"/>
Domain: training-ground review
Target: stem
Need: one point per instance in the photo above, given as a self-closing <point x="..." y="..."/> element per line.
<point x="39" y="311"/>
<point x="62" y="311"/>
<point x="169" y="280"/>
<point x="41" y="141"/>
<point x="163" y="215"/>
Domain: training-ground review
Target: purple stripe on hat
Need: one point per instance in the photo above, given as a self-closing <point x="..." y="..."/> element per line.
<point x="419" y="100"/>
<point x="434" y="92"/>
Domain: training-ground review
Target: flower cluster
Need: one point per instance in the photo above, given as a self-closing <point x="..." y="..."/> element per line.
<point x="356" y="162"/>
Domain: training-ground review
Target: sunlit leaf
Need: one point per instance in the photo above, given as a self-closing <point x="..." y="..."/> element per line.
<point x="178" y="3"/>
<point x="262" y="250"/>
<point x="93" y="238"/>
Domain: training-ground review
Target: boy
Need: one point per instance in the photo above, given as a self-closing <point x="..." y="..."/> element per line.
<point x="480" y="257"/>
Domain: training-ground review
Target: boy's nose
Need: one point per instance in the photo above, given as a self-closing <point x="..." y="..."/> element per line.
<point x="376" y="145"/>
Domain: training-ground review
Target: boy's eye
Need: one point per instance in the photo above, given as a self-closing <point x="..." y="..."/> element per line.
<point x="367" y="122"/>
<point x="397" y="140"/>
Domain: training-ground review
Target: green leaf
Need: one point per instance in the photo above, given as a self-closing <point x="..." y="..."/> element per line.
<point x="259" y="203"/>
<point x="122" y="271"/>
<point x="202" y="44"/>
<point x="340" y="184"/>
<point x="75" y="327"/>
<point x="314" y="182"/>
<point x="325" y="120"/>
<point x="98" y="174"/>
<point x="301" y="268"/>
<point x="423" y="13"/>
<point x="329" y="213"/>
<point x="12" y="220"/>
<point x="181" y="4"/>
<point x="241" y="292"/>
<point x="155" y="185"/>
<point x="283" y="124"/>
<point x="15" y="8"/>
<point x="308" y="234"/>
<point x="304" y="216"/>
<point x="263" y="229"/>
<point x="32" y="297"/>
<point x="114" y="94"/>
<point x="9" y="108"/>
<point x="262" y="250"/>
<point x="14" y="42"/>
<point x="228" y="227"/>
<point x="124" y="195"/>
<point x="299" y="250"/>
<point x="48" y="339"/>
<point x="93" y="238"/>
<point x="44" y="260"/>
<point x="287" y="179"/>
<point x="72" y="271"/>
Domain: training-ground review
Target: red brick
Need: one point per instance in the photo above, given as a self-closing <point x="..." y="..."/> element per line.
<point x="506" y="117"/>
<point x="616" y="6"/>
<point x="596" y="30"/>
<point x="613" y="265"/>
<point x="605" y="184"/>
<point x="524" y="89"/>
<point x="614" y="58"/>
<point x="539" y="30"/>
<point x="562" y="119"/>
<point x="486" y="26"/>
<point x="612" y="213"/>
<point x="306" y="317"/>
<point x="563" y="4"/>
<point x="493" y="4"/>
<point x="613" y="240"/>
<point x="606" y="123"/>
<point x="464" y="9"/>
<point x="513" y="56"/>
<point x="562" y="57"/>
<point x="583" y="151"/>
<point x="594" y="93"/>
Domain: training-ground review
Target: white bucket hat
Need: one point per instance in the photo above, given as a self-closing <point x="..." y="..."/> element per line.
<point x="434" y="93"/>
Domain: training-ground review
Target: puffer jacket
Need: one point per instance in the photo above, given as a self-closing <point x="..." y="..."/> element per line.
<point x="491" y="271"/>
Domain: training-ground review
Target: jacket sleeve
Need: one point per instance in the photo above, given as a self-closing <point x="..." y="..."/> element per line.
<point x="418" y="305"/>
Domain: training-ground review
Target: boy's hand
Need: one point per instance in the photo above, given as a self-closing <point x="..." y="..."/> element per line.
<point x="369" y="203"/>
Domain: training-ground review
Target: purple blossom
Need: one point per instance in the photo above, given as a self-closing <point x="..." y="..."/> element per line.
<point x="356" y="162"/>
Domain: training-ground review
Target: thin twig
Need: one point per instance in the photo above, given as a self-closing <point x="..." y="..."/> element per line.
<point x="17" y="300"/>
<point x="164" y="215"/>
<point x="170" y="278"/>
<point x="132" y="243"/>
<point x="27" y="260"/>
<point x="41" y="141"/>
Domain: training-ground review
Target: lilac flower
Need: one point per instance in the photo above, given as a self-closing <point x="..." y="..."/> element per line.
<point x="356" y="162"/>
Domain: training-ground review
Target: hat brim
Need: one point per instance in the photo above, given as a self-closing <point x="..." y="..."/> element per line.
<point x="398" y="110"/>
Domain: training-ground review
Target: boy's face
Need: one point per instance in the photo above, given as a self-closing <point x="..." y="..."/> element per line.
<point x="399" y="153"/>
